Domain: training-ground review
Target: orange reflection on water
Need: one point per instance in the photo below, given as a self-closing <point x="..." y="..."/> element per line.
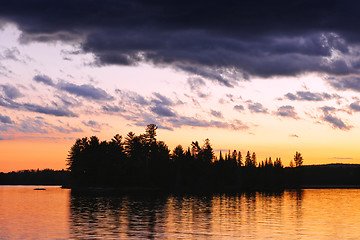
<point x="29" y="214"/>
<point x="303" y="214"/>
<point x="57" y="214"/>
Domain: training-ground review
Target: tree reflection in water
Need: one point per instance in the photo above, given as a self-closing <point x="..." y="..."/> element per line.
<point x="184" y="216"/>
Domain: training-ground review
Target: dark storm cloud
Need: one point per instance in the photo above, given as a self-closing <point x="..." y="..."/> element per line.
<point x="310" y="96"/>
<point x="221" y="41"/>
<point x="286" y="111"/>
<point x="44" y="79"/>
<point x="11" y="91"/>
<point x="256" y="107"/>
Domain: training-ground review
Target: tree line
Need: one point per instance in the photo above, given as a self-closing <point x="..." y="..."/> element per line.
<point x="35" y="177"/>
<point x="143" y="161"/>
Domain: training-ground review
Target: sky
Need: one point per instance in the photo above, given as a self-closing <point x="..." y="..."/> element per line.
<point x="266" y="77"/>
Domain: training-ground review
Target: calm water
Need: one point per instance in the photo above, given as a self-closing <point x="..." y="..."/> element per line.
<point x="58" y="214"/>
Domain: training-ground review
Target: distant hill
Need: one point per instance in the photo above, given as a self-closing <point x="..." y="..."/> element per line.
<point x="333" y="165"/>
<point x="35" y="177"/>
<point x="334" y="174"/>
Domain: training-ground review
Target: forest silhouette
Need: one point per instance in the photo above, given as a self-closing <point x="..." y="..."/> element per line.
<point x="141" y="161"/>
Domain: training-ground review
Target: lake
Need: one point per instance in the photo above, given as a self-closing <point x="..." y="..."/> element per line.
<point x="56" y="213"/>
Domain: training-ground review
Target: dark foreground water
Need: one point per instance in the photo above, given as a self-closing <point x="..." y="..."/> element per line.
<point x="57" y="214"/>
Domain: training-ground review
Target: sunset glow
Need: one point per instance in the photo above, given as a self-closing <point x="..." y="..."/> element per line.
<point x="274" y="94"/>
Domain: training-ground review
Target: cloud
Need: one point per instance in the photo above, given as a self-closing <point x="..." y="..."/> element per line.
<point x="161" y="99"/>
<point x="92" y="124"/>
<point x="163" y="111"/>
<point x="256" y="107"/>
<point x="69" y="101"/>
<point x="222" y="42"/>
<point x="286" y="111"/>
<point x="59" y="112"/>
<point x="336" y="122"/>
<point x="345" y="83"/>
<point x="239" y="108"/>
<point x="10" y="54"/>
<point x="217" y="114"/>
<point x="221" y="75"/>
<point x="159" y="110"/>
<point x="134" y="105"/>
<point x="5" y="71"/>
<point x="130" y="97"/>
<point x="162" y="105"/>
<point x="11" y="91"/>
<point x="239" y="125"/>
<point x="44" y="79"/>
<point x="194" y="122"/>
<point x="86" y="91"/>
<point x="197" y="85"/>
<point x="294" y="136"/>
<point x="341" y="158"/>
<point x="41" y="126"/>
<point x="310" y="96"/>
<point x="32" y="126"/>
<point x="13" y="54"/>
<point x="37" y="125"/>
<point x="67" y="129"/>
<point x="5" y="119"/>
<point x="355" y="106"/>
<point x="112" y="109"/>
<point x="3" y="138"/>
<point x="55" y="111"/>
<point x="327" y="109"/>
